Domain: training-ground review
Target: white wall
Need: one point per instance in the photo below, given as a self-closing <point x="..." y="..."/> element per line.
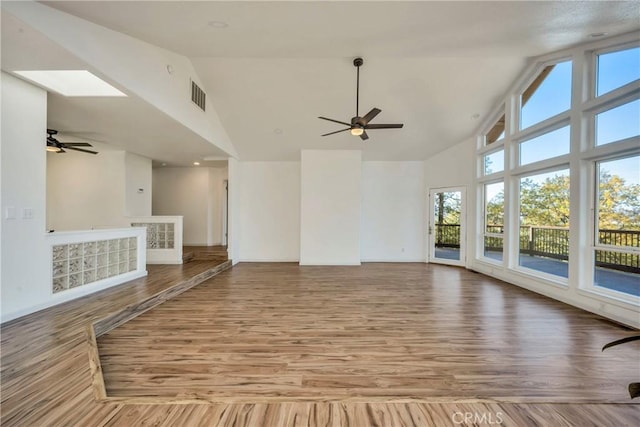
<point x="124" y="59"/>
<point x="26" y="275"/>
<point x="196" y="194"/>
<point x="138" y="177"/>
<point x="453" y="167"/>
<point x="393" y="212"/>
<point x="330" y="207"/>
<point x="85" y="191"/>
<point x="270" y="215"/>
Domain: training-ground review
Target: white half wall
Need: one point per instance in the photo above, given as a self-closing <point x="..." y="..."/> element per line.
<point x="270" y="215"/>
<point x="26" y="269"/>
<point x="196" y="194"/>
<point x="330" y="207"/>
<point x="394" y="199"/>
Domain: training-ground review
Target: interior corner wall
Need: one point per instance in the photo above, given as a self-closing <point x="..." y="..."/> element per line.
<point x="85" y="191"/>
<point x="196" y="194"/>
<point x="26" y="259"/>
<point x="330" y="207"/>
<point x="270" y="216"/>
<point x="235" y="187"/>
<point x="138" y="185"/>
<point x="394" y="199"/>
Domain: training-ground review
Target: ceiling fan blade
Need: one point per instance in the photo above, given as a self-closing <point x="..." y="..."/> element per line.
<point x="335" y="121"/>
<point x="369" y="116"/>
<point x="80" y="149"/>
<point x="77" y="144"/>
<point x="384" y="126"/>
<point x="338" y="131"/>
<point x="364" y="136"/>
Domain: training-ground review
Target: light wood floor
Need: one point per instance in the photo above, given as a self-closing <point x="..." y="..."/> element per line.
<point x="413" y="334"/>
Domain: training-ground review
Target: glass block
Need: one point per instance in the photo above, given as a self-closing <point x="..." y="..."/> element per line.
<point x="113" y="258"/>
<point x="152" y="228"/>
<point x="59" y="284"/>
<point x="75" y="280"/>
<point x="89" y="276"/>
<point x="170" y="244"/>
<point x="89" y="262"/>
<point x="136" y="224"/>
<point x="89" y="248"/>
<point x="170" y="228"/>
<point x="123" y="267"/>
<point x="102" y="273"/>
<point x="102" y="247"/>
<point x="152" y="242"/>
<point x="113" y="245"/>
<point x="133" y="265"/>
<point x="133" y="255"/>
<point x="133" y="243"/>
<point x="60" y="252"/>
<point x="75" y="250"/>
<point x="124" y="243"/>
<point x="102" y="260"/>
<point x="60" y="268"/>
<point x="123" y="256"/>
<point x="113" y="270"/>
<point x="75" y="265"/>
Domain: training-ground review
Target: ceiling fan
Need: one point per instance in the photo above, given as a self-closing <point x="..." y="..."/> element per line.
<point x="56" y="146"/>
<point x="360" y="125"/>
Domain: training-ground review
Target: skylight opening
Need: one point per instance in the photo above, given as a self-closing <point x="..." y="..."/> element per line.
<point x="71" y="82"/>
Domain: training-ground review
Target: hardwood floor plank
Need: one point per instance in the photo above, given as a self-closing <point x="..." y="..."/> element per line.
<point x="373" y="333"/>
<point x="380" y="331"/>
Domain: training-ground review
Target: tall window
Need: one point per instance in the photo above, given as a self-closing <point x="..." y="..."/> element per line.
<point x="570" y="174"/>
<point x="544" y="222"/>
<point x="616" y="69"/>
<point x="548" y="95"/>
<point x="618" y="123"/>
<point x="494" y="221"/>
<point x="617" y="235"/>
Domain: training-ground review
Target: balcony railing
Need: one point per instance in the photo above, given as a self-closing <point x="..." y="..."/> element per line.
<point x="553" y="242"/>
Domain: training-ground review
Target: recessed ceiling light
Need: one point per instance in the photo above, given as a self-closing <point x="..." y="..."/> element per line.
<point x="217" y="24"/>
<point x="164" y="164"/>
<point x="71" y="82"/>
<point x="196" y="163"/>
<point x="596" y="35"/>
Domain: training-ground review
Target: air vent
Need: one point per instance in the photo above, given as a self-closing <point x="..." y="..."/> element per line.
<point x="198" y="96"/>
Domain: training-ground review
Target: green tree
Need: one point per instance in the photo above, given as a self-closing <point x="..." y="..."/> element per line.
<point x="495" y="210"/>
<point x="546" y="203"/>
<point x="618" y="204"/>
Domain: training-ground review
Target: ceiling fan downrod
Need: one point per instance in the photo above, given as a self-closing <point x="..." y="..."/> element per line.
<point x="358" y="63"/>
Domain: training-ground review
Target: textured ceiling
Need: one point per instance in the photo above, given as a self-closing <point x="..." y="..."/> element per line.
<point x="276" y="66"/>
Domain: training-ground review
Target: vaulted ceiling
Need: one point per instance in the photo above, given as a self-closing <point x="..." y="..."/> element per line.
<point x="270" y="68"/>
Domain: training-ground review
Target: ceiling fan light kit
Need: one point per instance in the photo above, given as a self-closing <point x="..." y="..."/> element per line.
<point x="360" y="125"/>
